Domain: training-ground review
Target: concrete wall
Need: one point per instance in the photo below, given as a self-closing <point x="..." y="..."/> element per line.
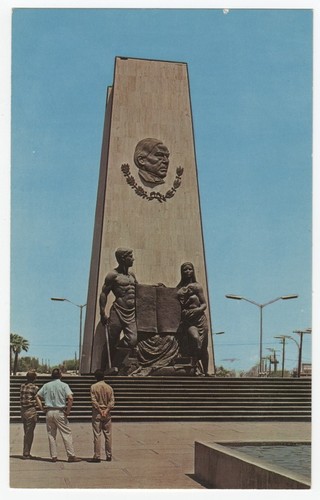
<point x="223" y="468"/>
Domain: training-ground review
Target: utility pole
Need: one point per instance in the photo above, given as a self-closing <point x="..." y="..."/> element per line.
<point x="273" y="361"/>
<point x="283" y="342"/>
<point x="301" y="333"/>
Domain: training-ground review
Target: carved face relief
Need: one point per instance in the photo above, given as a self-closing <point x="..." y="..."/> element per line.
<point x="156" y="163"/>
<point x="151" y="157"/>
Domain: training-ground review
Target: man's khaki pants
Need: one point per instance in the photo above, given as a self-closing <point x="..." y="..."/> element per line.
<point x="56" y="419"/>
<point x="101" y="425"/>
<point x="29" y="419"/>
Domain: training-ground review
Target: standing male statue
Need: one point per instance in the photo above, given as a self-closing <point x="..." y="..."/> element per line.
<point x="122" y="317"/>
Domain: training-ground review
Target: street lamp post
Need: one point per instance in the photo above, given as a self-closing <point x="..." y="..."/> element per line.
<point x="214" y="362"/>
<point x="301" y="333"/>
<point x="59" y="299"/>
<point x="261" y="306"/>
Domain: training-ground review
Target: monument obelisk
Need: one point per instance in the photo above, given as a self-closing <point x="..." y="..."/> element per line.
<point x="158" y="216"/>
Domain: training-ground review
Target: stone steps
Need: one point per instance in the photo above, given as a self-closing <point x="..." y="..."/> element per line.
<point x="188" y="398"/>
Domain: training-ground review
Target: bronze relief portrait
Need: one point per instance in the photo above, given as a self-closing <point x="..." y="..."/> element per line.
<point x="151" y="157"/>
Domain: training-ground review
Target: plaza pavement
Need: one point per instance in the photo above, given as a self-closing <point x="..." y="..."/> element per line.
<point x="145" y="455"/>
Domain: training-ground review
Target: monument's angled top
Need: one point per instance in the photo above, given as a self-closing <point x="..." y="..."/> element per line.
<point x="123" y="58"/>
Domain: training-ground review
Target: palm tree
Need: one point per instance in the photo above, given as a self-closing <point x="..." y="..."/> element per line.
<point x="17" y="344"/>
<point x="13" y="343"/>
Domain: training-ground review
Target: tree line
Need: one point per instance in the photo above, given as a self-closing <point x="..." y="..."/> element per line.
<point x="24" y="363"/>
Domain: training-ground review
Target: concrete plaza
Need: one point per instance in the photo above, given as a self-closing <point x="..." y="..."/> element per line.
<point x="145" y="455"/>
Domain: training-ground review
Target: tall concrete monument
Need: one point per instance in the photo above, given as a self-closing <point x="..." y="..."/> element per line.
<point x="148" y="308"/>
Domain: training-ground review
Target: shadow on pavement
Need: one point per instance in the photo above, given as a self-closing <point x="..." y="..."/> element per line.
<point x="196" y="480"/>
<point x="20" y="457"/>
<point x="42" y="459"/>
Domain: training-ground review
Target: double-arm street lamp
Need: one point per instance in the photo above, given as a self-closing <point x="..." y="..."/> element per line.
<point x="261" y="306"/>
<point x="59" y="299"/>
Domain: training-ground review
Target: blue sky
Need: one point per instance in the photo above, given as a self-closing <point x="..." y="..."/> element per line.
<point x="251" y="81"/>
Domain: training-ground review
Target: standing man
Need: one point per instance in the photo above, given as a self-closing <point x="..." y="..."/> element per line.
<point x="55" y="394"/>
<point x="102" y="403"/>
<point x="29" y="415"/>
<point x="122" y="318"/>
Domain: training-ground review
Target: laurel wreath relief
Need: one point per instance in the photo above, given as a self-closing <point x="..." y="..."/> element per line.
<point x="154" y="195"/>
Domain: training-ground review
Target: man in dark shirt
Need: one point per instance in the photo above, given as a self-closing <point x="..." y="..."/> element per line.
<point x="29" y="415"/>
<point x="102" y="403"/>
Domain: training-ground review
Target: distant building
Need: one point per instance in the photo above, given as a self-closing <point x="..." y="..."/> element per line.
<point x="306" y="370"/>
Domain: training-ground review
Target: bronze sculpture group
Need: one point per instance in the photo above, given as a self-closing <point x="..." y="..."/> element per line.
<point x="134" y="344"/>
